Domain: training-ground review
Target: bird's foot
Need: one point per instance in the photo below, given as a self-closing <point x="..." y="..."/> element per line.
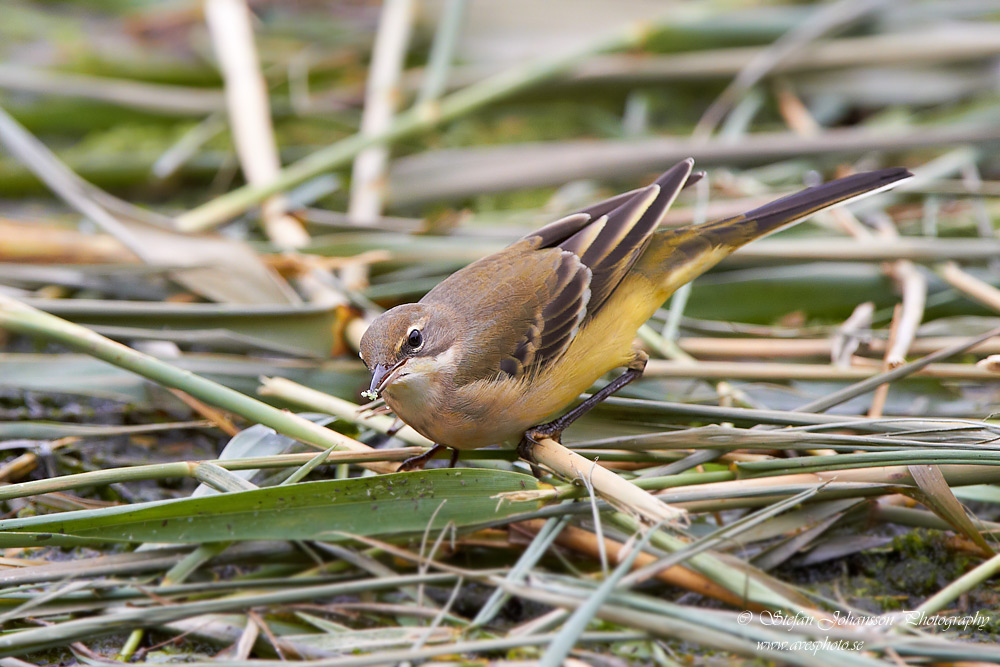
<point x="554" y="429"/>
<point x="417" y="462"/>
<point x="525" y="448"/>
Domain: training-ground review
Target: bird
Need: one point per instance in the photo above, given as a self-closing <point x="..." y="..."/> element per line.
<point x="512" y="339"/>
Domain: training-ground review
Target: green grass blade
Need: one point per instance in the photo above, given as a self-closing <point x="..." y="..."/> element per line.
<point x="394" y="504"/>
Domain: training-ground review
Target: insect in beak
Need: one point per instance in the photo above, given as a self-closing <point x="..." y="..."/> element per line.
<point x="382" y="376"/>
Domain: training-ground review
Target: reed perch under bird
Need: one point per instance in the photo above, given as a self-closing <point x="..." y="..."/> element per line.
<point x="510" y="340"/>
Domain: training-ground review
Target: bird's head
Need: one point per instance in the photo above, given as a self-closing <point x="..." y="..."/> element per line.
<point x="406" y="344"/>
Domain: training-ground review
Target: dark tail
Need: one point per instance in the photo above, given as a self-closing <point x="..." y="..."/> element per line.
<point x="738" y="230"/>
<point x="677" y="256"/>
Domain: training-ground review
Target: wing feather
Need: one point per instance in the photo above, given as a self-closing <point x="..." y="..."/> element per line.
<point x="599" y="245"/>
<point x="568" y="269"/>
<point x="554" y="232"/>
<point x="562" y="313"/>
<point x="611" y="253"/>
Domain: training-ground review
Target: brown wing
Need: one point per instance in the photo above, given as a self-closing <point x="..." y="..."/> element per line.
<point x="598" y="247"/>
<point x="557" y="315"/>
<point x="611" y="244"/>
<point x="509" y="305"/>
<point x="523" y="305"/>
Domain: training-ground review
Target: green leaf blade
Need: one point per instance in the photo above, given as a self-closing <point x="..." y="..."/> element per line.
<point x="395" y="504"/>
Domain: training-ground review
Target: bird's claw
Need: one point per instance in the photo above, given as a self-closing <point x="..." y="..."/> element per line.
<point x="525" y="448"/>
<point x="413" y="463"/>
<point x="417" y="462"/>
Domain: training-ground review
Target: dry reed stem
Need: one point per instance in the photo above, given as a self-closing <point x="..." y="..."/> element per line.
<point x="990" y="363"/>
<point x="975" y="288"/>
<point x="846" y="339"/>
<point x="894" y="475"/>
<point x="619" y="492"/>
<point x="42" y="242"/>
<point x="249" y="113"/>
<point x="764" y="370"/>
<point x="937" y="45"/>
<point x="882" y="391"/>
<point x="456" y="173"/>
<point x="382" y="95"/>
<point x="913" y="286"/>
<point x="585" y="542"/>
<point x="219" y="418"/>
<point x="792" y="348"/>
<point x="15" y="469"/>
<point x="353" y="332"/>
<point x="914" y="248"/>
<point x="295" y="264"/>
<point x="161" y="98"/>
<point x="794" y="112"/>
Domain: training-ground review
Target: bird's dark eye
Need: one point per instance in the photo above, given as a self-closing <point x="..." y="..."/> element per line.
<point x="414" y="339"/>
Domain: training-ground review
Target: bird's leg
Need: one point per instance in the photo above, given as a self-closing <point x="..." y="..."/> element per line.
<point x="525" y="452"/>
<point x="417" y="462"/>
<point x="554" y="428"/>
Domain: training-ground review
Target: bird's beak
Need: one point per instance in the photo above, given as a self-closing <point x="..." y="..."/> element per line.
<point x="383" y="375"/>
